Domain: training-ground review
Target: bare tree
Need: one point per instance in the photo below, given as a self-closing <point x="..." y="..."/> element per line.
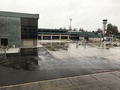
<point x="4" y="48"/>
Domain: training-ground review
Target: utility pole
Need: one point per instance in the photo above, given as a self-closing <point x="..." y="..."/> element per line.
<point x="70" y="27"/>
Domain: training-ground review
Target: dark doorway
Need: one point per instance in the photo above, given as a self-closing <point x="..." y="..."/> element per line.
<point x="4" y="41"/>
<point x="87" y="38"/>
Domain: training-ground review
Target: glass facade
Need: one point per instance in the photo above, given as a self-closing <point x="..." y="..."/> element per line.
<point x="29" y="28"/>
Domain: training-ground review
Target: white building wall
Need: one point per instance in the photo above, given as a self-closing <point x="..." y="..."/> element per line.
<point x="94" y="39"/>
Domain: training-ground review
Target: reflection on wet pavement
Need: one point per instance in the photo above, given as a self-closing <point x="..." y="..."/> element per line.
<point x="56" y="60"/>
<point x="55" y="55"/>
<point x="89" y="57"/>
<point x="24" y="60"/>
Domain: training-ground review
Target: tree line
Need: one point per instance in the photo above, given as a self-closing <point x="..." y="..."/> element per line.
<point x="111" y="29"/>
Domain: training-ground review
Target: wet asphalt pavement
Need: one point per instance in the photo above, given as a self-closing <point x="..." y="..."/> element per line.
<point x="62" y="60"/>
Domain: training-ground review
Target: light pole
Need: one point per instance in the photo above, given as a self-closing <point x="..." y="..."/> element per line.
<point x="70" y="27"/>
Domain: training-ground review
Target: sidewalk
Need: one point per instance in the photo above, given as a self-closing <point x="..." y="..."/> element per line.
<point x="99" y="81"/>
<point x="10" y="50"/>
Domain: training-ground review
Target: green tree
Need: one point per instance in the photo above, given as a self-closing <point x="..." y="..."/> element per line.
<point x="99" y="30"/>
<point x="74" y="29"/>
<point x="111" y="29"/>
<point x="114" y="29"/>
<point x="82" y="30"/>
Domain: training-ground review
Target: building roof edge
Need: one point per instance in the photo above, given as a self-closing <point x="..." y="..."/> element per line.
<point x="17" y="14"/>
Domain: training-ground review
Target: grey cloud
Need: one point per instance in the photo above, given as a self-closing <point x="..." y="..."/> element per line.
<point x="87" y="14"/>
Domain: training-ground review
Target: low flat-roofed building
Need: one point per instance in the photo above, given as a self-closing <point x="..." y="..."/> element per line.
<point x="64" y="34"/>
<point x="53" y="34"/>
<point x="18" y="29"/>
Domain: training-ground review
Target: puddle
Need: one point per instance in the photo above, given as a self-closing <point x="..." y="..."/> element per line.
<point x="25" y="60"/>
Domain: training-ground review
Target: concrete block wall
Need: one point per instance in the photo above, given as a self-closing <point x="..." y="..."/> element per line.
<point x="10" y="27"/>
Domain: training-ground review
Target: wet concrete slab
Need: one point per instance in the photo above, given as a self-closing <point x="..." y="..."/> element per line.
<point x="79" y="80"/>
<point x="110" y="80"/>
<point x="107" y="77"/>
<point x="47" y="64"/>
<point x="94" y="86"/>
<point x="27" y="86"/>
<point x="117" y="73"/>
<point x="55" y="84"/>
<point x="97" y="82"/>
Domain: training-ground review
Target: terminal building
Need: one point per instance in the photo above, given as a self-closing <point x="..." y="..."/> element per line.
<point x="53" y="34"/>
<point x="64" y="34"/>
<point x="18" y="29"/>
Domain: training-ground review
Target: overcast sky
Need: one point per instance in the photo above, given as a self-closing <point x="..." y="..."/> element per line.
<point x="87" y="14"/>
